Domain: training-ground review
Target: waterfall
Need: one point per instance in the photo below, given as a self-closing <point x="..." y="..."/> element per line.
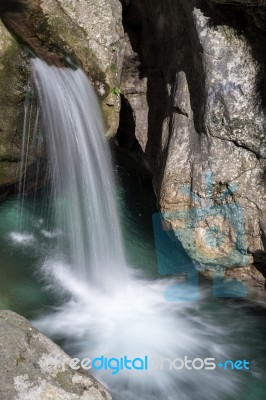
<point x="31" y="144"/>
<point x="110" y="311"/>
<point x="81" y="174"/>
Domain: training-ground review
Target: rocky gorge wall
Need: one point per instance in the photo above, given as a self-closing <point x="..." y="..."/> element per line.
<point x="193" y="86"/>
<point x="192" y="80"/>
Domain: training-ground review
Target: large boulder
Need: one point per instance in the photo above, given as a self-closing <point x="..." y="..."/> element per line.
<point x="28" y="370"/>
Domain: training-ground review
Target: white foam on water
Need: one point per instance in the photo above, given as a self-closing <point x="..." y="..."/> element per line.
<point x="22" y="238"/>
<point x="136" y="321"/>
<point x="51" y="235"/>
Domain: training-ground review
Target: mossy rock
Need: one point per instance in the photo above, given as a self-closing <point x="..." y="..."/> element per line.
<point x="90" y="34"/>
<point x="14" y="78"/>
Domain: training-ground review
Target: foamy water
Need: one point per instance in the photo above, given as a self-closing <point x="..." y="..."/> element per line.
<point x="22" y="238"/>
<point x="135" y="321"/>
<point x="51" y="234"/>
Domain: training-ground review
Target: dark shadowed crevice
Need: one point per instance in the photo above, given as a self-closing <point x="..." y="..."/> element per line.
<point x="12" y="6"/>
<point x="164" y="37"/>
<point x="127" y="125"/>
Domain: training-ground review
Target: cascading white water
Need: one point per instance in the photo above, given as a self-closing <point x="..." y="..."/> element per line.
<point x="110" y="311"/>
<point x="31" y="144"/>
<point x="82" y="176"/>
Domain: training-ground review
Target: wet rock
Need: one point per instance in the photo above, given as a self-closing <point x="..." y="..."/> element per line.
<point x="14" y="88"/>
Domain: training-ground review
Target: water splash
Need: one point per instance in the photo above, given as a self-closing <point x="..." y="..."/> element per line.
<point x="30" y="147"/>
<point x="22" y="238"/>
<point x="81" y="174"/>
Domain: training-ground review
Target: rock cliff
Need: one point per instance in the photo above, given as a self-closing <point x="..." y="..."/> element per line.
<point x="193" y="86"/>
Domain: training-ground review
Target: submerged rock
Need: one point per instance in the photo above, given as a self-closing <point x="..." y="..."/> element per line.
<point x="35" y="368"/>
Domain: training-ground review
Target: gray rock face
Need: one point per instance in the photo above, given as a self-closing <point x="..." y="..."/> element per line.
<point x="87" y="31"/>
<point x="28" y="370"/>
<point x="199" y="114"/>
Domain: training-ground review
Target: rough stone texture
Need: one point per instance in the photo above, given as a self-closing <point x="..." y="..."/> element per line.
<point x="14" y="87"/>
<point x="89" y="32"/>
<point x="194" y="82"/>
<point x="34" y="368"/>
